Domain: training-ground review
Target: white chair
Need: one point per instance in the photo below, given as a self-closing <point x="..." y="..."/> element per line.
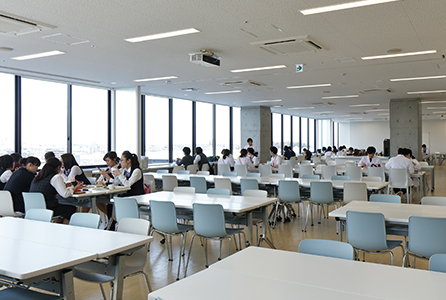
<point x="376" y="171"/>
<point x="92" y="180"/>
<point x="355" y="173"/>
<point x="354" y="191"/>
<point x="331" y="162"/>
<point x="265" y="170"/>
<point x="144" y="162"/>
<point x="223" y="168"/>
<point x="372" y="178"/>
<point x="205" y="167"/>
<point x="150" y="181"/>
<point x="6" y="205"/>
<point x="398" y="178"/>
<point x="328" y="172"/>
<point x="305" y="162"/>
<point x="223" y="183"/>
<point x="169" y="182"/>
<point x="305" y="170"/>
<point x="184" y="189"/>
<point x="300" y="158"/>
<point x="88" y="173"/>
<point x="276" y="176"/>
<point x="204" y="173"/>
<point x="431" y="200"/>
<point x="292" y="162"/>
<point x="315" y="159"/>
<point x="177" y="168"/>
<point x="241" y="170"/>
<point x="286" y="170"/>
<point x="193" y="169"/>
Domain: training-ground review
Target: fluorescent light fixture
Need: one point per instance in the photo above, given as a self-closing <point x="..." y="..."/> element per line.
<point x="439" y="112"/>
<point x="354" y="118"/>
<point x="376" y="110"/>
<point x="38" y="55"/>
<point x="341" y="116"/>
<point x="340" y="97"/>
<point x="324" y="112"/>
<point x="398" y="55"/>
<point x="223" y="92"/>
<point x="162" y="35"/>
<point x="361" y="105"/>
<point x="426" y="92"/>
<point x="309" y="107"/>
<point x="262" y="101"/>
<point x="342" y="6"/>
<point x="308" y="86"/>
<point x="155" y="78"/>
<point x="419" y="78"/>
<point x="432" y="102"/>
<point x="383" y="114"/>
<point x="436" y="108"/>
<point x="259" y="69"/>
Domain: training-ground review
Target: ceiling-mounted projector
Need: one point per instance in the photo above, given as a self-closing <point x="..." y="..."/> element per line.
<point x="205" y="58"/>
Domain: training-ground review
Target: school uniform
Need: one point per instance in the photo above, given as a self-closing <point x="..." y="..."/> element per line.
<point x="19" y="182"/>
<point x="132" y="179"/>
<point x="75" y="174"/>
<point x="254" y="159"/>
<point x="245" y="161"/>
<point x="276" y="160"/>
<point x="308" y="155"/>
<point x="186" y="161"/>
<point x="401" y="162"/>
<point x="288" y="154"/>
<point x="329" y="154"/>
<point x="370" y="162"/>
<point x="200" y="160"/>
<point x="226" y="161"/>
<point x="4" y="177"/>
<point x="253" y="147"/>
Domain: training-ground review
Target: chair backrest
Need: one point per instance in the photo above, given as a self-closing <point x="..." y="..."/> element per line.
<point x="162" y="171"/>
<point x="287" y="170"/>
<point x="223" y="183"/>
<point x="39" y="214"/>
<point x="222" y="168"/>
<point x="163" y="216"/>
<point x="183" y="172"/>
<point x="169" y="182"/>
<point x="398" y="178"/>
<point x="315" y="159"/>
<point x="253" y="175"/>
<point x="248" y="184"/>
<point x="305" y="162"/>
<point x="229" y="174"/>
<point x="209" y="220"/>
<point x="427" y="236"/>
<point x="144" y="162"/>
<point x="289" y="191"/>
<point x="277" y="176"/>
<point x="150" y="181"/>
<point x="424" y="164"/>
<point x="326" y="248"/>
<point x="430" y="200"/>
<point x="321" y="192"/>
<point x="88" y="173"/>
<point x="308" y="176"/>
<point x="328" y="171"/>
<point x="184" y="190"/>
<point x="350" y="163"/>
<point x="193" y="169"/>
<point x="255" y="193"/>
<point x="292" y="162"/>
<point x="355" y="191"/>
<point x="331" y="162"/>
<point x="354" y="172"/>
<point x="205" y="173"/>
<point x="221" y="192"/>
<point x="177" y="168"/>
<point x="340" y="177"/>
<point x="85" y="220"/>
<point x="265" y="170"/>
<point x="92" y="180"/>
<point x="241" y="170"/>
<point x="372" y="178"/>
<point x="376" y="171"/>
<point x="205" y="167"/>
<point x="437" y="262"/>
<point x="305" y="170"/>
<point x="6" y="205"/>
<point x="33" y="200"/>
<point x="199" y="183"/>
<point x="366" y="230"/>
<point x="385" y="198"/>
<point x="125" y="208"/>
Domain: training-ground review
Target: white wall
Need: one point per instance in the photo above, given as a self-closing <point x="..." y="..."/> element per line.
<point x="434" y="135"/>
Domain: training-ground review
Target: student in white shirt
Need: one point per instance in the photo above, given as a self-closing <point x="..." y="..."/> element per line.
<point x="112" y="161"/>
<point x="130" y="174"/>
<point x="371" y="160"/>
<point x="72" y="171"/>
<point x="253" y="157"/>
<point x="424" y="149"/>
<point x="6" y="168"/>
<point x="250" y="145"/>
<point x="227" y="158"/>
<point x="276" y="160"/>
<point x="244" y="160"/>
<point x="329" y="153"/>
<point x="401" y="162"/>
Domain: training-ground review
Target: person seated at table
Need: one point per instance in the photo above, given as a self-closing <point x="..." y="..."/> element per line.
<point x="17" y="157"/>
<point x="50" y="182"/>
<point x="288" y="152"/>
<point x="276" y="160"/>
<point x="201" y="158"/>
<point x="416" y="165"/>
<point x="307" y="153"/>
<point x="130" y="174"/>
<point x="244" y="160"/>
<point x="48" y="155"/>
<point x="329" y="152"/>
<point x="226" y="159"/>
<point x="187" y="158"/>
<point x="424" y="149"/>
<point x="71" y="170"/>
<point x="401" y="162"/>
<point x="350" y="151"/>
<point x="20" y="181"/>
<point x="112" y="161"/>
<point x="253" y="157"/>
<point x="371" y="160"/>
<point x="250" y="145"/>
<point x="6" y="169"/>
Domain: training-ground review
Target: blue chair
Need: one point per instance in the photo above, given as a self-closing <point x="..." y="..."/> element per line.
<point x="209" y="223"/>
<point x="289" y="194"/>
<point x="125" y="208"/>
<point x="162" y="171"/>
<point x="388" y="198"/>
<point x="327" y="248"/>
<point x="199" y="183"/>
<point x="230" y="174"/>
<point x="366" y="232"/>
<point x="221" y="192"/>
<point x="309" y="176"/>
<point x="24" y="294"/>
<point x="164" y="221"/>
<point x="427" y="236"/>
<point x="392" y="229"/>
<point x="85" y="220"/>
<point x="248" y="184"/>
<point x="33" y="200"/>
<point x="39" y="214"/>
<point x="183" y="172"/>
<point x="257" y="175"/>
<point x="321" y="194"/>
<point x="340" y="177"/>
<point x="437" y="263"/>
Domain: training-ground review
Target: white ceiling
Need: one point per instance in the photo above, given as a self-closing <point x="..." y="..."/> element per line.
<point x="227" y="28"/>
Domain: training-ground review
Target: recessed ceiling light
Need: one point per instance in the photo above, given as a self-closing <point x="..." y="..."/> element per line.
<point x="309" y="107"/>
<point x="436" y="108"/>
<point x="223" y="92"/>
<point x="308" y="86"/>
<point x="375" y="110"/>
<point x="155" y="78"/>
<point x="426" y="92"/>
<point x="261" y="101"/>
<point x="361" y="105"/>
<point x="432" y="102"/>
<point x="339" y="97"/>
<point x="258" y="69"/>
<point x="419" y="78"/>
<point x="113" y="82"/>
<point x="161" y="35"/>
<point x="398" y="55"/>
<point x="342" y="6"/>
<point x="38" y="55"/>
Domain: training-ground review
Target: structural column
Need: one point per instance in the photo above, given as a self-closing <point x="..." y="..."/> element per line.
<point x="405" y="126"/>
<point x="256" y="124"/>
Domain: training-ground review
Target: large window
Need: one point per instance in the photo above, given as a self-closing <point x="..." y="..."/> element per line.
<point x="44" y="118"/>
<point x="325" y="132"/>
<point x="296" y="134"/>
<point x="222" y="129"/>
<point x="7" y="106"/>
<point x="205" y="127"/>
<point x="311" y="132"/>
<point x="182" y="126"/>
<point x="126" y="121"/>
<point x="236" y="130"/>
<point x="287" y="130"/>
<point x="304" y="133"/>
<point x="90" y="124"/>
<point x="336" y="134"/>
<point x="157" y="129"/>
<point x="277" y="131"/>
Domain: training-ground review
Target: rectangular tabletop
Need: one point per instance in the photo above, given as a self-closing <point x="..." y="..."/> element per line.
<point x="94" y="192"/>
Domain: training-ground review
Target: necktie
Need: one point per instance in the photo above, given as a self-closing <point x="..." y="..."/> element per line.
<point x="126" y="174"/>
<point x="370" y="159"/>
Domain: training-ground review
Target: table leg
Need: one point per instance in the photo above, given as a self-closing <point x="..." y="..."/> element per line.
<point x="339" y="225"/>
<point x="94" y="208"/>
<point x="432" y="179"/>
<point x="119" y="277"/>
<point x="263" y="237"/>
<point x="68" y="285"/>
<point x="249" y="220"/>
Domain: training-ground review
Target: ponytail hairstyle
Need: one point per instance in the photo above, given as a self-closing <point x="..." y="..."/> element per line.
<point x="243" y="153"/>
<point x="68" y="161"/>
<point x="133" y="157"/>
<point x="251" y="151"/>
<point x="111" y="155"/>
<point x="226" y="153"/>
<point x="50" y="168"/>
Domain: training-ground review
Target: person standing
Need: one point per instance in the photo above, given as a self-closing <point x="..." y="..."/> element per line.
<point x="250" y="145"/>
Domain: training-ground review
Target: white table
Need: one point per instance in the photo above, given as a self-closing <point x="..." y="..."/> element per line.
<point x="30" y="249"/>
<point x="431" y="170"/>
<point x="233" y="204"/>
<point x="260" y="273"/>
<point x="91" y="194"/>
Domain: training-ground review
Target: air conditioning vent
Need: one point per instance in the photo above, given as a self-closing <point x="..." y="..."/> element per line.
<point x="243" y="83"/>
<point x="376" y="91"/>
<point x="291" y="45"/>
<point x="357" y="113"/>
<point x="14" y="25"/>
<point x="321" y="104"/>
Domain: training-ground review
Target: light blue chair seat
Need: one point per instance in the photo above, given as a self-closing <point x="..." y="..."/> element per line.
<point x="253" y="175"/>
<point x="199" y="183"/>
<point x="321" y="194"/>
<point x="309" y="176"/>
<point x="85" y="220"/>
<point x="437" y="263"/>
<point x="221" y="192"/>
<point x="39" y="214"/>
<point x="229" y="174"/>
<point x="340" y="177"/>
<point x="183" y="172"/>
<point x="327" y="248"/>
<point x="22" y="294"/>
<point x="248" y="184"/>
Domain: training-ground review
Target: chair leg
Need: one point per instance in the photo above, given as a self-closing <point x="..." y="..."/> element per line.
<point x="230" y="245"/>
<point x="188" y="255"/>
<point x="169" y="247"/>
<point x="219" y="251"/>
<point x="183" y="239"/>
<point x="149" y="287"/>
<point x="206" y="252"/>
<point x="102" y="291"/>
<point x="391" y="258"/>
